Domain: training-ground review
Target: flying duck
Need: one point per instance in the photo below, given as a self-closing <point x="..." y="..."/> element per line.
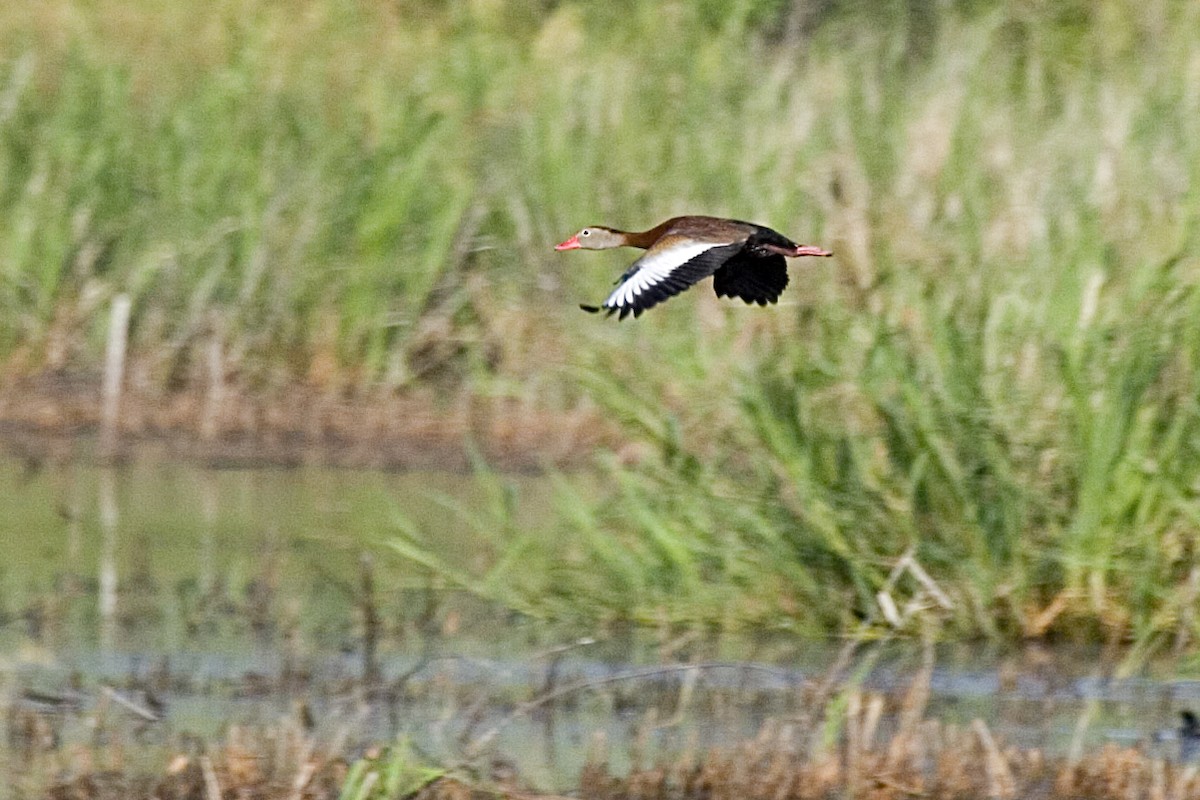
<point x="744" y="259"/>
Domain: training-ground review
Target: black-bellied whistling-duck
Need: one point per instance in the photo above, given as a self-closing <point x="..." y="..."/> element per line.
<point x="745" y="260"/>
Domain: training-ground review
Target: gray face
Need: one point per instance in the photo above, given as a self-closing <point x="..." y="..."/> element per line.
<point x="597" y="238"/>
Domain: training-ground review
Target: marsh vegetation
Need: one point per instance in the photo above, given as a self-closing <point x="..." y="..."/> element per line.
<point x="997" y="372"/>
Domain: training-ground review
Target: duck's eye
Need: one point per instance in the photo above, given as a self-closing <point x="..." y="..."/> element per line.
<point x="585" y="232"/>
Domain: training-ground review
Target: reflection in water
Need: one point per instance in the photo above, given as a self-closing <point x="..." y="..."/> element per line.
<point x="208" y="532"/>
<point x="109" y="518"/>
<point x="244" y="596"/>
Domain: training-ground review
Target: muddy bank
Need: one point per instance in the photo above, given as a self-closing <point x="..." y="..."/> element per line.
<point x="44" y="417"/>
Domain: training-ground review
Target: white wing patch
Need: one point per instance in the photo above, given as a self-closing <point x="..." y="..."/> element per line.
<point x="653" y="268"/>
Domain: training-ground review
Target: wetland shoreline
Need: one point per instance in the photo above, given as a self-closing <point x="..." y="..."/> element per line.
<point x="45" y="417"/>
<point x="919" y="756"/>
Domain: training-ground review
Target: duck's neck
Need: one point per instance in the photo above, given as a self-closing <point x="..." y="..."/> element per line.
<point x="643" y="239"/>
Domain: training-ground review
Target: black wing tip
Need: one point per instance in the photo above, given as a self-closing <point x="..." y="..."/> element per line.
<point x="621" y="311"/>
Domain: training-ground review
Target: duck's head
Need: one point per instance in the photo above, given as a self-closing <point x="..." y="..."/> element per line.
<point x="593" y="238"/>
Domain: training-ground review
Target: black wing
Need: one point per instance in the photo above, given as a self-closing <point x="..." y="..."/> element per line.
<point x="755" y="279"/>
<point x="664" y="273"/>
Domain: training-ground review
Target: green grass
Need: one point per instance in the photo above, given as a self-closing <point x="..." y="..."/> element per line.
<point x="998" y="369"/>
<point x="396" y="771"/>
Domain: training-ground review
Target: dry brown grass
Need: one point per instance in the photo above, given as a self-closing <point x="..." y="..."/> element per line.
<point x="940" y="762"/>
<point x="897" y="756"/>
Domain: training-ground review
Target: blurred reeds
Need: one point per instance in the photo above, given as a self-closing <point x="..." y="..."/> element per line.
<point x="998" y="371"/>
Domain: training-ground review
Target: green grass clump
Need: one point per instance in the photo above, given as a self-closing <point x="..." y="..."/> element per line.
<point x="1002" y="379"/>
<point x="394" y="771"/>
<point x="997" y="373"/>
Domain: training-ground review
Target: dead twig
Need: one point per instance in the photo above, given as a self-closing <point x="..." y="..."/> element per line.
<point x="136" y="708"/>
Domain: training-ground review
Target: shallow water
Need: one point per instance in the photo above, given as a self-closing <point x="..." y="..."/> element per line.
<point x="233" y="597"/>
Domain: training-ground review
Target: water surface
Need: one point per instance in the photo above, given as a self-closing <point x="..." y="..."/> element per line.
<point x="219" y="598"/>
